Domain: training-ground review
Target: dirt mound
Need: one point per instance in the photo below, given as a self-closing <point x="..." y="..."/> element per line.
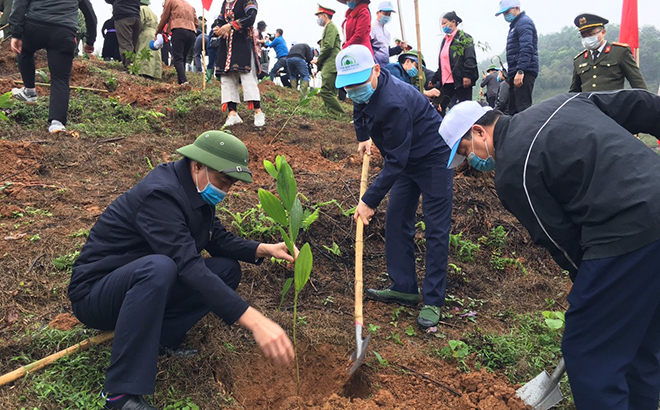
<point x="64" y="321"/>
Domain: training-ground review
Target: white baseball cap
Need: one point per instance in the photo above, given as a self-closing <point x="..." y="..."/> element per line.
<point x="386" y="6"/>
<point x="354" y="64"/>
<point x="456" y="123"/>
<point x="506" y="5"/>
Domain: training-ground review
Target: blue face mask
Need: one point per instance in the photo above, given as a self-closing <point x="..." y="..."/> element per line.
<point x="211" y="194"/>
<point x="361" y="94"/>
<point x="351" y="4"/>
<point x="509" y="17"/>
<point x="412" y="73"/>
<point x="385" y="19"/>
<point x="447" y="30"/>
<point x="498" y="79"/>
<point x="480" y="164"/>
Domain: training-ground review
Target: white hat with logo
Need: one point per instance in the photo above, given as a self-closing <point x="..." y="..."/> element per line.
<point x="354" y="65"/>
<point x="456" y="124"/>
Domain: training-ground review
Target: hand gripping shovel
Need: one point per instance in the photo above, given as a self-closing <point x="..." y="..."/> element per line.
<point x="542" y="392"/>
<point x="362" y="344"/>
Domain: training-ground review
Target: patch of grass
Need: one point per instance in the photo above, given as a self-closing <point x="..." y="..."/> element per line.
<point x="464" y="247"/>
<point x="65" y="262"/>
<point x="529" y="348"/>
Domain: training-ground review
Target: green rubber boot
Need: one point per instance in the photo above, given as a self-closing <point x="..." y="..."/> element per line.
<point x="304" y="87"/>
<point x="429" y="316"/>
<point x="294" y="84"/>
<point x="392" y="296"/>
<point x="209" y="76"/>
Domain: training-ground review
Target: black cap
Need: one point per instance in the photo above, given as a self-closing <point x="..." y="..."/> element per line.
<point x="585" y="21"/>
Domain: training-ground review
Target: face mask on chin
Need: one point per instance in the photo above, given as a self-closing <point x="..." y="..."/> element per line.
<point x="480" y="164"/>
<point x="591" y="43"/>
<point x="211" y="194"/>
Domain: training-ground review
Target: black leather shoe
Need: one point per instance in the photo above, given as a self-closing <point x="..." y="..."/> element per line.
<point x="180" y="352"/>
<point x="134" y="403"/>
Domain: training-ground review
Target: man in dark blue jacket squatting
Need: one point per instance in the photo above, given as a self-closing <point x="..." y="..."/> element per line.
<point x="141" y="272"/>
<point x="405" y="128"/>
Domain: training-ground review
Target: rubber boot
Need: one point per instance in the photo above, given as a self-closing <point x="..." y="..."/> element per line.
<point x="294" y="84"/>
<point x="209" y="76"/>
<point x="304" y="87"/>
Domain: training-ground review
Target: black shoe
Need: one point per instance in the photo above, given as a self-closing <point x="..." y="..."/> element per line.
<point x="133" y="403"/>
<point x="392" y="296"/>
<point x="180" y="352"/>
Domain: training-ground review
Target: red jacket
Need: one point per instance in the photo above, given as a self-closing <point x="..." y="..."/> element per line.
<point x="357" y="26"/>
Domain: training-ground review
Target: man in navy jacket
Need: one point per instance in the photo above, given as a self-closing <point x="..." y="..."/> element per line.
<point x="404" y="126"/>
<point x="522" y="55"/>
<point x="141" y="273"/>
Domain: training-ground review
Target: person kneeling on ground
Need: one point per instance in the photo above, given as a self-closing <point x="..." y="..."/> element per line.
<point x="141" y="272"/>
<point x="404" y="127"/>
<point x="588" y="192"/>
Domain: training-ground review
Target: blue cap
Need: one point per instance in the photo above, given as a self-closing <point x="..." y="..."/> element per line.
<point x="354" y="65"/>
<point x="506" y="5"/>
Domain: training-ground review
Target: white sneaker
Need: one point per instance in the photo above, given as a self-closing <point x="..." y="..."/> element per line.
<point x="259" y="119"/>
<point x="22" y="94"/>
<point x="233" y="120"/>
<point x="56" y="126"/>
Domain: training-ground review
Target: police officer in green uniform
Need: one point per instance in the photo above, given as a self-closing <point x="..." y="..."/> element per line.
<point x="602" y="66"/>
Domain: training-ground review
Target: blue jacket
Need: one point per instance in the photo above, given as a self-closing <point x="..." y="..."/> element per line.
<point x="405" y="128"/>
<point x="522" y="46"/>
<point x="279" y="45"/>
<point x="164" y="214"/>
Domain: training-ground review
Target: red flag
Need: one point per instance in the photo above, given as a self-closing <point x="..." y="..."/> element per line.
<point x="629" y="25"/>
<point x="207" y="6"/>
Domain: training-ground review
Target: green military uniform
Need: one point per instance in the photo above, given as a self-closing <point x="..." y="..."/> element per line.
<point x="330" y="47"/>
<point x="152" y="67"/>
<point x="613" y="62"/>
<point x="608" y="71"/>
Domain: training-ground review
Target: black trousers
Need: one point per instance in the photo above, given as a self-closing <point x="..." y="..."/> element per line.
<point x="146" y="305"/>
<point x="183" y="41"/>
<point x="491" y="101"/>
<point x="450" y="95"/>
<point x="60" y="44"/>
<point x="520" y="99"/>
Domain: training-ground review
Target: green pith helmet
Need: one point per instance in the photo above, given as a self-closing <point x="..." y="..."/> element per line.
<point x="492" y="67"/>
<point x="411" y="55"/>
<point x="145" y="2"/>
<point x="220" y="151"/>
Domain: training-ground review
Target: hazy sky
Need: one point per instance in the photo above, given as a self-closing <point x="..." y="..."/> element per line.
<point x="296" y="18"/>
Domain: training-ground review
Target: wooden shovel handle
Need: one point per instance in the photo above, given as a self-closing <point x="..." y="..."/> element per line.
<point x="40" y="364"/>
<point x="359" y="245"/>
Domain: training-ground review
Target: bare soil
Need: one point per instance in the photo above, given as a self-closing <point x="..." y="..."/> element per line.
<point x="75" y="179"/>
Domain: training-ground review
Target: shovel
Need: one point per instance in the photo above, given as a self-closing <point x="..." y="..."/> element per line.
<point x="542" y="392"/>
<point x="362" y="344"/>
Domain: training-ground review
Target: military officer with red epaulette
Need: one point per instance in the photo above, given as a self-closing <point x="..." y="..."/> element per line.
<point x="603" y="65"/>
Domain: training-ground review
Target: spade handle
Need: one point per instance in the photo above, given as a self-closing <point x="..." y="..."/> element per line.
<point x="359" y="245"/>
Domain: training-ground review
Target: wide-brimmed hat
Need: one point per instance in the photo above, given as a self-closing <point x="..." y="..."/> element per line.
<point x="222" y="152"/>
<point x="145" y="2"/>
<point x="456" y="124"/>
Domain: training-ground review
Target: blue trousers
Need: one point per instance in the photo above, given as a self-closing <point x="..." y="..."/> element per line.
<point x="280" y="63"/>
<point x="146" y="305"/>
<point x="611" y="343"/>
<point x="434" y="182"/>
<point x="297" y="69"/>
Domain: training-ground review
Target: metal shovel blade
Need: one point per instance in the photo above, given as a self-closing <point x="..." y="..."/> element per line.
<point x="542" y="392"/>
<point x="359" y="354"/>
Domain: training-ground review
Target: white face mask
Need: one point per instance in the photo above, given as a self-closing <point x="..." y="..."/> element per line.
<point x="591" y="43"/>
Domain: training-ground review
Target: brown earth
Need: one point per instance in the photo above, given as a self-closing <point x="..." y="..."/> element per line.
<point x="74" y="179"/>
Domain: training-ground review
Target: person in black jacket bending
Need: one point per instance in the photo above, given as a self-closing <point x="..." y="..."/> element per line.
<point x="141" y="272"/>
<point x="587" y="190"/>
<point x="300" y="55"/>
<point x="457" y="64"/>
<point x="51" y="25"/>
